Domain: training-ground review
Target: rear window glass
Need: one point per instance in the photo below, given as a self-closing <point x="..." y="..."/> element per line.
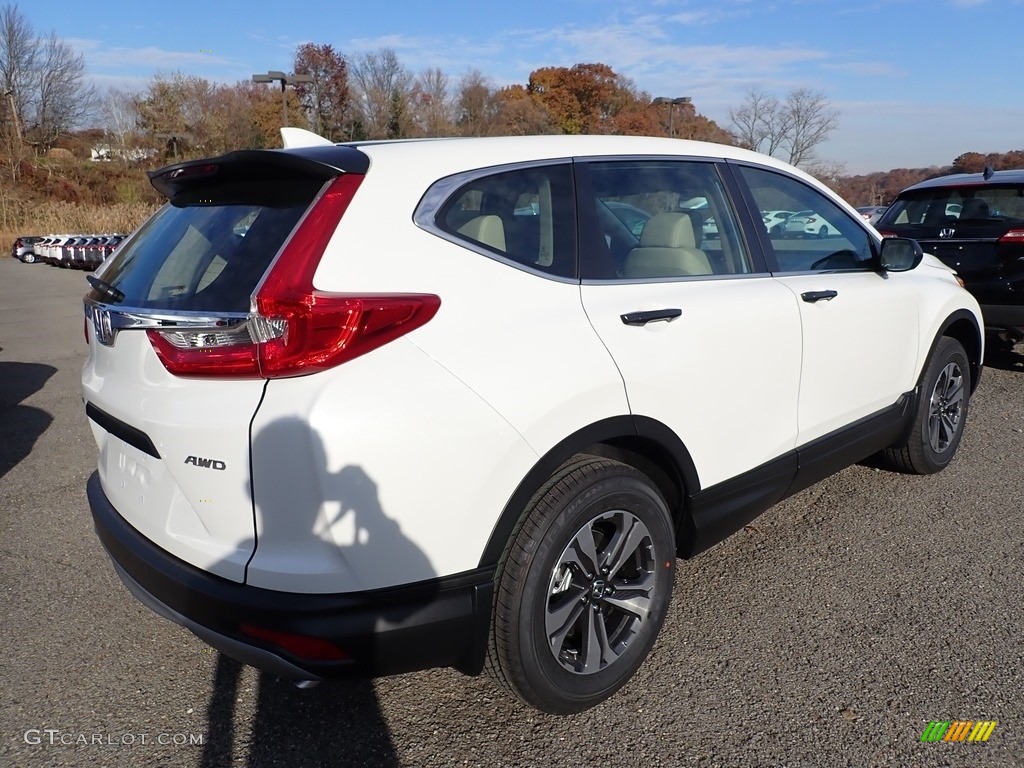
<point x="207" y="250"/>
<point x="945" y="205"/>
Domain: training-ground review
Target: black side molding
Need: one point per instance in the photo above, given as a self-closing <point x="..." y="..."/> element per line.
<point x="719" y="511"/>
<point x="134" y="437"/>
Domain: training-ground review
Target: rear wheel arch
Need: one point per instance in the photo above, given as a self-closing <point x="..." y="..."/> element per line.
<point x="639" y="441"/>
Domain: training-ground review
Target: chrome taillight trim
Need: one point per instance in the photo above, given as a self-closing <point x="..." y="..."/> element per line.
<point x="107" y="320"/>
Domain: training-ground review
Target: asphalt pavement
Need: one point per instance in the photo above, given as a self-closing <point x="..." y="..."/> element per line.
<point x="831" y="632"/>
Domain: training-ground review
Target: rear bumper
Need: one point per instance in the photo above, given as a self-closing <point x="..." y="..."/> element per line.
<point x="1003" y="315"/>
<point x="438" y="623"/>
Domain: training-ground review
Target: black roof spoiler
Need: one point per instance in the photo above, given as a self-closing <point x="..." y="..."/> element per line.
<point x="320" y="162"/>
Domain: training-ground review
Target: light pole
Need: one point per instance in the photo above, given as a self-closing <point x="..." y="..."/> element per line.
<point x="671" y="104"/>
<point x="285" y="80"/>
<point x="14" y="114"/>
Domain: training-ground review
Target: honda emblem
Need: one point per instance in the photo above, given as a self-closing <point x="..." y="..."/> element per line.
<point x="101" y="326"/>
<point x="946" y="232"/>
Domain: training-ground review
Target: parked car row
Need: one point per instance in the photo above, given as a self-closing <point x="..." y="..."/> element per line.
<point x="74" y="251"/>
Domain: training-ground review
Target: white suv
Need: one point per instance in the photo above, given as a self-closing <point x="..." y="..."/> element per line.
<point x="369" y="408"/>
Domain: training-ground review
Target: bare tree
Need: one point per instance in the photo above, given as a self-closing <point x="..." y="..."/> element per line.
<point x="811" y="121"/>
<point x="17" y="65"/>
<point x="793" y="128"/>
<point x="758" y="123"/>
<point x="17" y="55"/>
<point x="474" y="104"/>
<point x="61" y="99"/>
<point x="43" y="81"/>
<point x="120" y="121"/>
<point x="382" y="90"/>
<point x="433" y="109"/>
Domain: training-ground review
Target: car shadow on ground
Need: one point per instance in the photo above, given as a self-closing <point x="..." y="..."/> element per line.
<point x="20" y="425"/>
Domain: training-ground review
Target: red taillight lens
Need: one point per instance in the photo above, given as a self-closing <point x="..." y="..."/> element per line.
<point x="296" y="329"/>
<point x="1013" y="236"/>
<point x="887" y="233"/>
<point x="302" y="646"/>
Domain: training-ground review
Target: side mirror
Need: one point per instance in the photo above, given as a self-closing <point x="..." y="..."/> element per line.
<point x="900" y="254"/>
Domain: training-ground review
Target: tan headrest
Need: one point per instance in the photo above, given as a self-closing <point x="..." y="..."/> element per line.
<point x="668" y="230"/>
<point x="486" y="229"/>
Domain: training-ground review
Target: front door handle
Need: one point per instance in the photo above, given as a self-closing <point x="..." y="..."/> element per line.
<point x="651" y="316"/>
<point x="813" y="296"/>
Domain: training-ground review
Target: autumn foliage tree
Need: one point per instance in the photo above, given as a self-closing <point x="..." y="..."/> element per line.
<point x="579" y="98"/>
<point x="326" y="100"/>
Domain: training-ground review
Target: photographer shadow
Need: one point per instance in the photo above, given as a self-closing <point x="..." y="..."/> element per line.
<point x="338" y="722"/>
<point x="21" y="425"/>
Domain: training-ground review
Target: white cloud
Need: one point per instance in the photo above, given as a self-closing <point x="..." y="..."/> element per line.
<point x="101" y="56"/>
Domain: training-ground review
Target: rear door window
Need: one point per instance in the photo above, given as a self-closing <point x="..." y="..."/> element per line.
<point x="659" y="219"/>
<point x="209" y="250"/>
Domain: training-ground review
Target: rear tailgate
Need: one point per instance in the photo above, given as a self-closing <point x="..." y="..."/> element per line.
<point x="174" y="453"/>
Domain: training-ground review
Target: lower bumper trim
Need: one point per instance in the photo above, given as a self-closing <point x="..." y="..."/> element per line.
<point x="442" y="622"/>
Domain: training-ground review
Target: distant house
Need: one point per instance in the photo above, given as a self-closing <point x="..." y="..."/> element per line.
<point x="103" y="153"/>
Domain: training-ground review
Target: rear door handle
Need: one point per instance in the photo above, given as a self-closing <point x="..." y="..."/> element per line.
<point x="651" y="316"/>
<point x="813" y="296"/>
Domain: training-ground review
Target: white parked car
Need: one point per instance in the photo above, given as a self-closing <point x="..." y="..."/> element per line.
<point x="809" y="224"/>
<point x="355" y="415"/>
<point x="774" y="220"/>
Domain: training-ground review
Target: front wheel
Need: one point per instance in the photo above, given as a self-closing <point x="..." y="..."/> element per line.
<point x="941" y="412"/>
<point x="583" y="587"/>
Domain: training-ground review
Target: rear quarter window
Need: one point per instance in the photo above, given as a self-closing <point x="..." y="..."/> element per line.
<point x="524" y="216"/>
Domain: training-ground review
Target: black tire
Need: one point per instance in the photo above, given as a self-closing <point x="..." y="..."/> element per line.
<point x="823" y="233"/>
<point x="941" y="409"/>
<point x="544" y="582"/>
<point x="28" y="258"/>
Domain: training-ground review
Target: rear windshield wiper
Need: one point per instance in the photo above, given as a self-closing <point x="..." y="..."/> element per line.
<point x="106" y="290"/>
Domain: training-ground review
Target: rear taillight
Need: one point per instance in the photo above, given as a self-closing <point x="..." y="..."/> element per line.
<point x="295" y="329"/>
<point x="887" y="233"/>
<point x="1013" y="236"/>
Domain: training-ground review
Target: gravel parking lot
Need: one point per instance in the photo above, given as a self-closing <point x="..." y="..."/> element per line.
<point x="829" y="633"/>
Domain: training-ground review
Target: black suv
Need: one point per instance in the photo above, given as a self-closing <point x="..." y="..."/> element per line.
<point x="974" y="222"/>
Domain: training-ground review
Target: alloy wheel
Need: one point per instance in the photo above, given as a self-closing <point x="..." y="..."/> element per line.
<point x="945" y="409"/>
<point x="600" y="592"/>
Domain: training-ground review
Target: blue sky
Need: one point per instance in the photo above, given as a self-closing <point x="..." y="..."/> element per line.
<point x="916" y="82"/>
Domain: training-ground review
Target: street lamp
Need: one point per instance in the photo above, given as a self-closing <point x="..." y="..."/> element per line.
<point x="671" y="104"/>
<point x="285" y="80"/>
